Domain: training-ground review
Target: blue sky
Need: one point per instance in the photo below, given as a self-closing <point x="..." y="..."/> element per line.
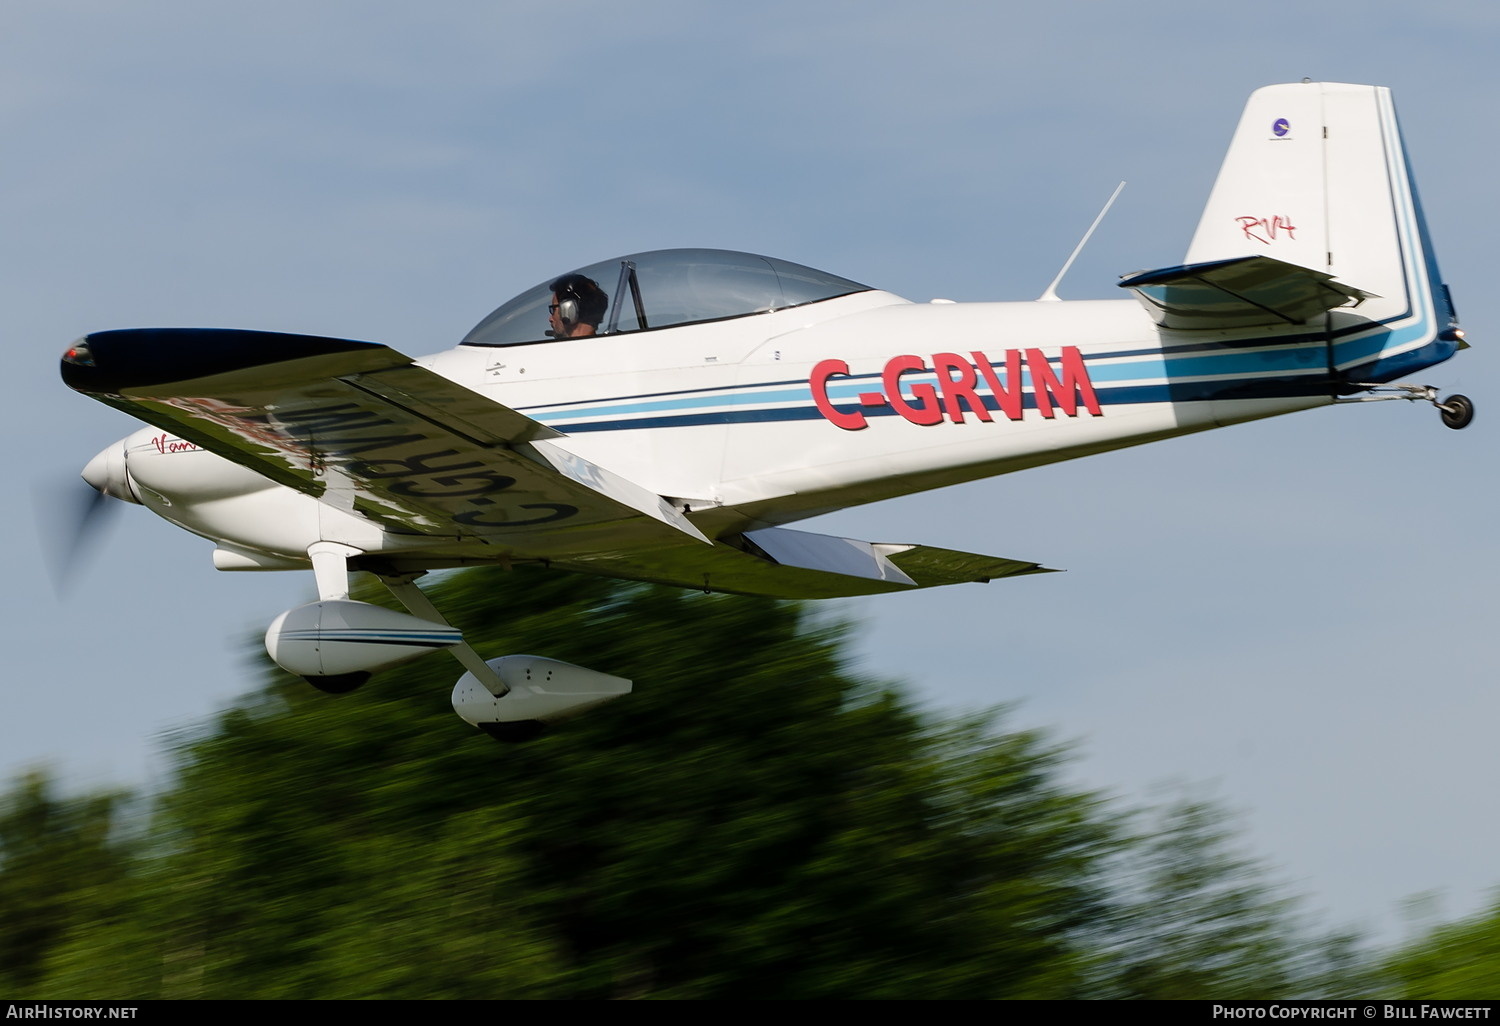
<point x="1294" y="614"/>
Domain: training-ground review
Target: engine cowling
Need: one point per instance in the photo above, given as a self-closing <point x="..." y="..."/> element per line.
<point x="542" y="691"/>
<point x="337" y="643"/>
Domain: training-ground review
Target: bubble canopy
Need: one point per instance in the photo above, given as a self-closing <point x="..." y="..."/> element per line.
<point x="667" y="288"/>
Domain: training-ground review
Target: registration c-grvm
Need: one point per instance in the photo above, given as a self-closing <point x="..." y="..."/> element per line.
<point x="959" y="380"/>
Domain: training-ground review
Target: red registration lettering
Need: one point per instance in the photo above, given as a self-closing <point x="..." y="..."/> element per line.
<point x="929" y="412"/>
<point x="1008" y="398"/>
<point x="1064" y="391"/>
<point x="958" y="388"/>
<point x="1063" y="387"/>
<point x="851" y="421"/>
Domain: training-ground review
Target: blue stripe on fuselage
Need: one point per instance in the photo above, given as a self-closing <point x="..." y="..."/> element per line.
<point x="1161" y="392"/>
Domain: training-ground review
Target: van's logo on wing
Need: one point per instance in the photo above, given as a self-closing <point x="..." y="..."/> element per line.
<point x="166" y="443"/>
<point x="1281" y="126"/>
<point x="964" y="385"/>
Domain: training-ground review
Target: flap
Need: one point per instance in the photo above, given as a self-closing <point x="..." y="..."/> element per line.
<point x="827" y="553"/>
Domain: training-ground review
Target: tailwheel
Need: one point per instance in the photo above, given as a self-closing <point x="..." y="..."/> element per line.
<point x="1457" y="411"/>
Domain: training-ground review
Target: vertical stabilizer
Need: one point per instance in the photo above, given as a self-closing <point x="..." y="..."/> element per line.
<point x="1317" y="175"/>
<point x="1269" y="198"/>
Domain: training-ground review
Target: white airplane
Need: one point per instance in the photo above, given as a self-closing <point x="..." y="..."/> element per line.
<point x="663" y="416"/>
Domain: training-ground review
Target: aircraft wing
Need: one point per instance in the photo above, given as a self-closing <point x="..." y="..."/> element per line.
<point x="781" y="563"/>
<point x="1240" y="292"/>
<point x="359" y="425"/>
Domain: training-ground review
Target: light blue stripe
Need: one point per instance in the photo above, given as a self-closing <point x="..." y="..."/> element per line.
<point x="1149" y="370"/>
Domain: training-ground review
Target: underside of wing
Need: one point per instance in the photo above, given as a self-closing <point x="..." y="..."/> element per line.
<point x="1241" y="292"/>
<point x="362" y="427"/>
<point x="805" y="566"/>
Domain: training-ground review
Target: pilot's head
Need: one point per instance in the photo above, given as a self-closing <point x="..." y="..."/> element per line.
<point x="578" y="305"/>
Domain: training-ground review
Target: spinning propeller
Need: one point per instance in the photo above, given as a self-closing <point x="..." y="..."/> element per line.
<point x="71" y="515"/>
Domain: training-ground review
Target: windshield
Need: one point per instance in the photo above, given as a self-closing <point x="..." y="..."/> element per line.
<point x="659" y="289"/>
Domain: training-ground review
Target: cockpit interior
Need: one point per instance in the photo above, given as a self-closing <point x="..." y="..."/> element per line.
<point x="667" y="288"/>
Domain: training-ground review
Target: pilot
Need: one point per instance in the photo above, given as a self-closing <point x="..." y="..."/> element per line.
<point x="577" y="307"/>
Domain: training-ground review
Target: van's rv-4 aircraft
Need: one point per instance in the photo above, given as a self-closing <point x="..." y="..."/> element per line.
<point x="662" y="417"/>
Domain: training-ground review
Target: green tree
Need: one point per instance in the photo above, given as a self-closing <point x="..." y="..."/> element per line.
<point x="62" y="865"/>
<point x="755" y="821"/>
<point x="1454" y="961"/>
<point x="1196" y="918"/>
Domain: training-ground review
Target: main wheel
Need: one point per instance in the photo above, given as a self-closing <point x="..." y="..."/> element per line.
<point x="338" y="684"/>
<point x="1457" y="411"/>
<point x="514" y="730"/>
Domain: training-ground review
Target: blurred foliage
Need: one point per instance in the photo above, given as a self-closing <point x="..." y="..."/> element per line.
<point x="60" y="860"/>
<point x="1459" y="961"/>
<point x="755" y="821"/>
<point x="1195" y="918"/>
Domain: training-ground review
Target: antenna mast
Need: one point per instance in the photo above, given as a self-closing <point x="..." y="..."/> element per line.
<point x="1051" y="296"/>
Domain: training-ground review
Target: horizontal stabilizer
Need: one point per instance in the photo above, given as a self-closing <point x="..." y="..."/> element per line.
<point x="1239" y="292"/>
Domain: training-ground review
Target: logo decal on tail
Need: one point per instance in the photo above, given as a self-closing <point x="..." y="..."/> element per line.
<point x="1266" y="229"/>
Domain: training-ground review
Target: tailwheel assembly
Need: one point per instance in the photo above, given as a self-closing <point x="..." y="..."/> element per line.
<point x="1457" y="410"/>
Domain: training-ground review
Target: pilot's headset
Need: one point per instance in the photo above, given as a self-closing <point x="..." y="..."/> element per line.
<point x="573" y="292"/>
<point x="567" y="309"/>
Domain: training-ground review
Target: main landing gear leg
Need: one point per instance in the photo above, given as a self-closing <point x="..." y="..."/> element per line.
<point x="1456" y="410"/>
<point x="541" y="691"/>
<point x="418" y="604"/>
<point x="330" y="562"/>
